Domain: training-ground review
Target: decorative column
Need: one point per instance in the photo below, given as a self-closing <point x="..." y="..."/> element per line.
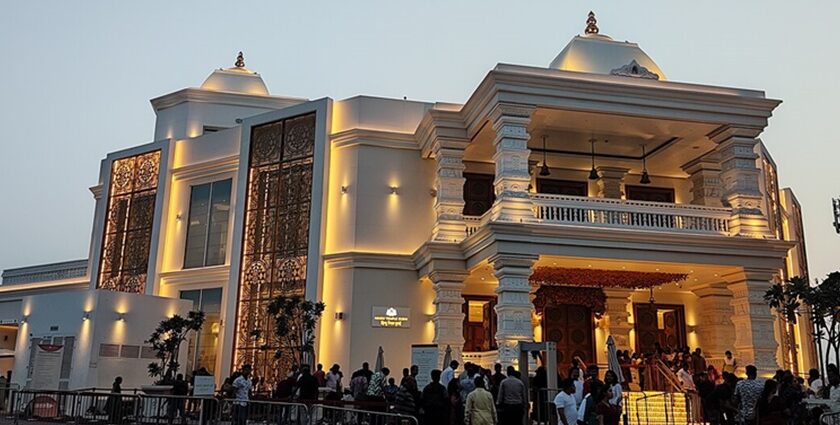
<point x="513" y="202"/>
<point x="704" y="174"/>
<point x="514" y="307"/>
<point x="610" y="180"/>
<point x="449" y="315"/>
<point x="714" y="327"/>
<point x="619" y="318"/>
<point x="739" y="177"/>
<point x="755" y="340"/>
<point x="449" y="185"/>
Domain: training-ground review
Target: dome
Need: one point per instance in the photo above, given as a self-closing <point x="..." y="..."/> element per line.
<point x="599" y="54"/>
<point x="236" y="79"/>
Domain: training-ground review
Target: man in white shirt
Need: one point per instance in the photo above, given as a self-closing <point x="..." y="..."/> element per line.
<point x="242" y="386"/>
<point x="686" y="379"/>
<point x="565" y="403"/>
<point x="448" y="373"/>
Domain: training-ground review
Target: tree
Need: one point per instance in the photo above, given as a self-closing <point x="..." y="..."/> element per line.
<point x="166" y="341"/>
<point x="295" y="319"/>
<point x="823" y="306"/>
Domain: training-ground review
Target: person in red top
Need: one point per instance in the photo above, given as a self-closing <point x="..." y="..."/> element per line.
<point x="608" y="413"/>
<point x="320" y="376"/>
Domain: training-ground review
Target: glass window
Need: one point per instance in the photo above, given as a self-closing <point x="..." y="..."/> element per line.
<point x="208" y="224"/>
<point x="202" y="346"/>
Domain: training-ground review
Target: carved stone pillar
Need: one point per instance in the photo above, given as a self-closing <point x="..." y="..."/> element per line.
<point x="514" y="307"/>
<point x="755" y="339"/>
<point x="619" y="318"/>
<point x="449" y="201"/>
<point x="513" y="202"/>
<point x="739" y="177"/>
<point x="449" y="315"/>
<point x="715" y="330"/>
<point x="610" y="180"/>
<point x="704" y="174"/>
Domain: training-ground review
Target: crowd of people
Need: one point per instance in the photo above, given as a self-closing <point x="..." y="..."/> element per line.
<point x="473" y="395"/>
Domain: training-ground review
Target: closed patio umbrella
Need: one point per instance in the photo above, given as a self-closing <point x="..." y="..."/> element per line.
<point x="380" y="359"/>
<point x="612" y="359"/>
<point x="447" y="357"/>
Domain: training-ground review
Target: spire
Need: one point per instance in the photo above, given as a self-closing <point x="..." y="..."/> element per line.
<point x="591" y="24"/>
<point x="240" y="59"/>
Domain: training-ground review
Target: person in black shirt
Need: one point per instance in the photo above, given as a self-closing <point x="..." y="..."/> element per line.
<point x="307" y="385"/>
<point x="180" y="390"/>
<point x="435" y="402"/>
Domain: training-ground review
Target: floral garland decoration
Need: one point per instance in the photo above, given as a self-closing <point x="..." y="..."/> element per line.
<point x="593" y="298"/>
<point x="557" y="276"/>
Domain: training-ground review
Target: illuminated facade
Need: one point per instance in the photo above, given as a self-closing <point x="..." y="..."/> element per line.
<point x="590" y="198"/>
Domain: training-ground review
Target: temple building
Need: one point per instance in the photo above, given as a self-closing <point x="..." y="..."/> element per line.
<point x="563" y="203"/>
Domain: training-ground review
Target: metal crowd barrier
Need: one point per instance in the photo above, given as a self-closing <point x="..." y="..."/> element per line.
<point x="829" y="418"/>
<point x="334" y="415"/>
<point x="72" y="406"/>
<point x="88" y="407"/>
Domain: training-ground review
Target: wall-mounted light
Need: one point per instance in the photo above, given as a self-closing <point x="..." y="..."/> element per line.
<point x="179" y="217"/>
<point x="121" y="317"/>
<point x="86" y="316"/>
<point x="339" y="315"/>
<point x="691" y="328"/>
<point x="344" y="189"/>
<point x="394" y="190"/>
<point x="24" y="319"/>
<point x="433" y="192"/>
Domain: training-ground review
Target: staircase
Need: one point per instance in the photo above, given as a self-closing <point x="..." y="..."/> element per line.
<point x="655" y="408"/>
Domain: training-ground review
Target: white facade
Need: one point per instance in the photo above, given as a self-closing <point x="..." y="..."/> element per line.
<point x="387" y="224"/>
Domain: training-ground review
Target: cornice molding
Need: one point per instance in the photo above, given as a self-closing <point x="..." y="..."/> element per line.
<point x="206" y="168"/>
<point x="213" y="274"/>
<point x="197" y="95"/>
<point x="369" y="260"/>
<point x="378" y="138"/>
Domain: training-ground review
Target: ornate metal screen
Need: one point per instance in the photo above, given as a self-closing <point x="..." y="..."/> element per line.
<point x="128" y="223"/>
<point x="276" y="236"/>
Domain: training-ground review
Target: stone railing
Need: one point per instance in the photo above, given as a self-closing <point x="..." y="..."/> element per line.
<point x="45" y="272"/>
<point x="642" y="215"/>
<point x="475" y="222"/>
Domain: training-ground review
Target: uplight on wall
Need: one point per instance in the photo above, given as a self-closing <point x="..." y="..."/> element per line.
<point x="339" y="315"/>
<point x="394" y="190"/>
<point x="344" y="189"/>
<point x="86" y="316"/>
<point x="24" y="319"/>
<point x="121" y="317"/>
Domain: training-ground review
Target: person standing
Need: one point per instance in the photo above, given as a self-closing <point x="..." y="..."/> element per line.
<point x="567" y="412"/>
<point x="320" y="375"/>
<point x="376" y="387"/>
<point x="747" y="393"/>
<point x="333" y="382"/>
<point x="242" y="391"/>
<point x="698" y="362"/>
<point x="404" y="401"/>
<point x="448" y="373"/>
<point x="729" y="363"/>
<point x="480" y="408"/>
<point x="608" y="413"/>
<point x="180" y="389"/>
<point x="496" y="380"/>
<point x="307" y="385"/>
<point x="434" y="401"/>
<point x="611" y="381"/>
<point x="114" y="403"/>
<point x="511" y="399"/>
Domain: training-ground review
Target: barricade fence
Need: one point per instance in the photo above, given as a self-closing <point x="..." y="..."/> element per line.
<point x="88" y="407"/>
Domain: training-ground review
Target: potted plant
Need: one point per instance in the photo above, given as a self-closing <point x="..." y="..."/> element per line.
<point x="166" y="340"/>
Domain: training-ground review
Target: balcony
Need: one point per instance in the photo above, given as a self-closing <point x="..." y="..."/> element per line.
<point x="622" y="214"/>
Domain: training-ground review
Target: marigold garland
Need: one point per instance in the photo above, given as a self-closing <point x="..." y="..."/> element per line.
<point x="593" y="298"/>
<point x="556" y="276"/>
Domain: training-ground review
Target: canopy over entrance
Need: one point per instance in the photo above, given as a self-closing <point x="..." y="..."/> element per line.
<point x="562" y="276"/>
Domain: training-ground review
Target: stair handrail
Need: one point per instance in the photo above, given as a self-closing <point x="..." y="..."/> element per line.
<point x="669" y="375"/>
<point x="647" y="397"/>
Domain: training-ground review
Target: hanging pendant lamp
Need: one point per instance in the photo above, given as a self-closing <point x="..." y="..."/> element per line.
<point x="645" y="177"/>
<point x="544" y="169"/>
<point x="593" y="173"/>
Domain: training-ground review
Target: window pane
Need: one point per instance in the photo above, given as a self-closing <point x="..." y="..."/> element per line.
<point x="219" y="213"/>
<point x="208" y="339"/>
<point x="197" y="226"/>
<point x="194" y="296"/>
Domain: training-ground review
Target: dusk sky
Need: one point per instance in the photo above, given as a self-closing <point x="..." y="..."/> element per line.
<point x="76" y="77"/>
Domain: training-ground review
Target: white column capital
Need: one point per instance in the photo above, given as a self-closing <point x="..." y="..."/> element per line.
<point x="610" y="181"/>
<point x="510" y="122"/>
<point x="449" y="191"/>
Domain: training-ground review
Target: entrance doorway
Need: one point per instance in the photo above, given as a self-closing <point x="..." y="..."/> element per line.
<point x="571" y="328"/>
<point x="659" y="323"/>
<point x="479" y="323"/>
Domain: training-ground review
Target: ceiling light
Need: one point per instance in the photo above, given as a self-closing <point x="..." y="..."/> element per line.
<point x="544" y="169"/>
<point x="593" y="173"/>
<point x="645" y="177"/>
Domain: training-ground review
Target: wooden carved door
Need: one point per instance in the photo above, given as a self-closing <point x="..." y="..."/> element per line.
<point x="660" y="323"/>
<point x="479" y="323"/>
<point x="571" y="328"/>
<point x="478" y="193"/>
<point x="647" y="330"/>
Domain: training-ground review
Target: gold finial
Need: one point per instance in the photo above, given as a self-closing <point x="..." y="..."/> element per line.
<point x="591" y="24"/>
<point x="240" y="59"/>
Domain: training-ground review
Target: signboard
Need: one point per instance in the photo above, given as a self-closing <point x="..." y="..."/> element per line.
<point x="425" y="356"/>
<point x="204" y="386"/>
<point x="46" y="368"/>
<point x="391" y="317"/>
